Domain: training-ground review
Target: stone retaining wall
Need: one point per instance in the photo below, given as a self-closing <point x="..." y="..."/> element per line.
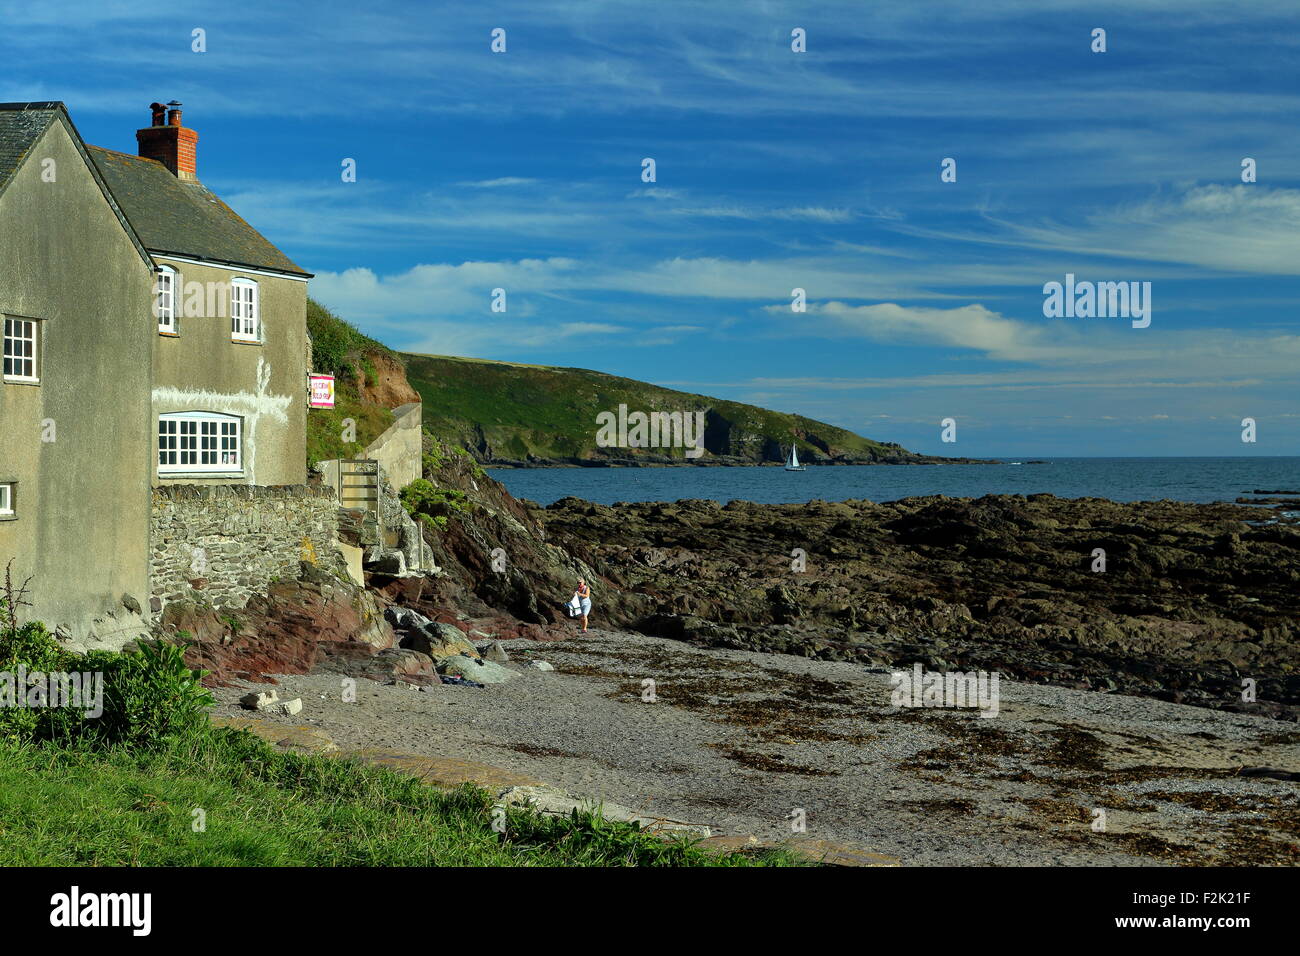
<point x="221" y="544"/>
<point x="400" y="449"/>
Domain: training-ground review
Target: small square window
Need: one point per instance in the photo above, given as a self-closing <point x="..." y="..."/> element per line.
<point x="21" y="341"/>
<point x="6" y="499"/>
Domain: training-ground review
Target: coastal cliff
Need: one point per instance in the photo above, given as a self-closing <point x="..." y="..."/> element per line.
<point x="514" y="415"/>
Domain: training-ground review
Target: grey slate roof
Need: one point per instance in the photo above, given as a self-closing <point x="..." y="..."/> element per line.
<point x="186" y="219"/>
<point x="21" y="125"/>
<point x="166" y="214"/>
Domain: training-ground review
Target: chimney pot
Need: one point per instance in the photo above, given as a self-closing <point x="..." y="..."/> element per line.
<point x="168" y="142"/>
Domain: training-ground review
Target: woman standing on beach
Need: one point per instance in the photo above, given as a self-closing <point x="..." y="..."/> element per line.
<point x="582" y="596"/>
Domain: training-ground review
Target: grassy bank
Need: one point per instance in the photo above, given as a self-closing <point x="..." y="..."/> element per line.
<point x="148" y="781"/>
<point x="62" y="806"/>
<point x="340" y="350"/>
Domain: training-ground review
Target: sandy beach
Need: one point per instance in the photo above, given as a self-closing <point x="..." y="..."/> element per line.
<point x="743" y="742"/>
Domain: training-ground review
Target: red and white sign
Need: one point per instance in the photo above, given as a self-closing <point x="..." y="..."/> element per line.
<point x="322" y="391"/>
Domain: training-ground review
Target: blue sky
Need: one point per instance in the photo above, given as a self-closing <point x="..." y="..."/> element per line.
<point x="775" y="170"/>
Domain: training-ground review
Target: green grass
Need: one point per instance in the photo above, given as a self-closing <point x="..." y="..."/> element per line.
<point x="550" y="412"/>
<point x="70" y="807"/>
<point x="520" y="410"/>
<point x="338" y="349"/>
<point x="325" y="425"/>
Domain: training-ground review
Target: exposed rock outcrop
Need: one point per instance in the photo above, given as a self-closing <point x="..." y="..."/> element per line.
<point x="1192" y="602"/>
<point x="384" y="382"/>
<point x="291" y="629"/>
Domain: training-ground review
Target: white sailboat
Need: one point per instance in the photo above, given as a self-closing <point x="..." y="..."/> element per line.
<point x="792" y="463"/>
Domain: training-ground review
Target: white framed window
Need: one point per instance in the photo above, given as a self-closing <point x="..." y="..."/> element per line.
<point x="6" y="499"/>
<point x="196" y="442"/>
<point x="244" y="311"/>
<point x="165" y="306"/>
<point x="21" y="341"/>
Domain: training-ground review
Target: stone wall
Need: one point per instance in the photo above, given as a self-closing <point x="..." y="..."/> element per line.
<point x="399" y="450"/>
<point x="221" y="544"/>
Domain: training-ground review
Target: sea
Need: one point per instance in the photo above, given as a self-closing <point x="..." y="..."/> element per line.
<point x="1119" y="479"/>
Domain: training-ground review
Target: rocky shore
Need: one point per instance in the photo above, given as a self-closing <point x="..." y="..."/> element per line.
<point x="1178" y="601"/>
<point x="1191" y="603"/>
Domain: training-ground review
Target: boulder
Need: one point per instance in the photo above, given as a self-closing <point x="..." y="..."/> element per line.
<point x="484" y="672"/>
<point x="496" y="653"/>
<point x="387" y="562"/>
<point x="405" y="618"/>
<point x="259" y="701"/>
<point x="286" y="708"/>
<point x="403" y="661"/>
<point x="440" y="640"/>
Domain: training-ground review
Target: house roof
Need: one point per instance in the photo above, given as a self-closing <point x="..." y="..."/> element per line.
<point x="185" y="219"/>
<point x="21" y="127"/>
<point x="161" y="213"/>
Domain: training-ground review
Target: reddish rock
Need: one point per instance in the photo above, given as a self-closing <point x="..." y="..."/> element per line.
<point x="282" y="632"/>
<point x="386" y="382"/>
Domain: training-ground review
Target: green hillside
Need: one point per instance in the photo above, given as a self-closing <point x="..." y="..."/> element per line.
<point x="513" y="413"/>
<point x="340" y="350"/>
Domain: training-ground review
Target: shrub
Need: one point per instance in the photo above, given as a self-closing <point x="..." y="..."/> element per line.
<point x="32" y="648"/>
<point x="152" y="698"/>
<point x="337" y="347"/>
<point x="30" y="645"/>
<point x="421" y="498"/>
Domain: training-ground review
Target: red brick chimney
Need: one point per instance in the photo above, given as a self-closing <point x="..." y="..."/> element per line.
<point x="171" y="143"/>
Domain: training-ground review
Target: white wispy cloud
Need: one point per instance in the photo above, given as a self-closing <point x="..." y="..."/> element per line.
<point x="755" y="213"/>
<point x="1242" y="228"/>
<point x="499" y="183"/>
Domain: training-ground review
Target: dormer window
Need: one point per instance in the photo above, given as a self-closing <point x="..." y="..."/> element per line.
<point x="165" y="306"/>
<point x="243" y="311"/>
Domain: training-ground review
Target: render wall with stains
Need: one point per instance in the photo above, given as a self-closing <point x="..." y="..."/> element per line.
<point x="201" y="368"/>
<point x="81" y="523"/>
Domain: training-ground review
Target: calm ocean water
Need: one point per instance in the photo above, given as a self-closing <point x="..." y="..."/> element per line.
<point x="1120" y="479"/>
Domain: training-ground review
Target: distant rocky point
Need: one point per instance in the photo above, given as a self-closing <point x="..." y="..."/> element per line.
<point x="513" y="415"/>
